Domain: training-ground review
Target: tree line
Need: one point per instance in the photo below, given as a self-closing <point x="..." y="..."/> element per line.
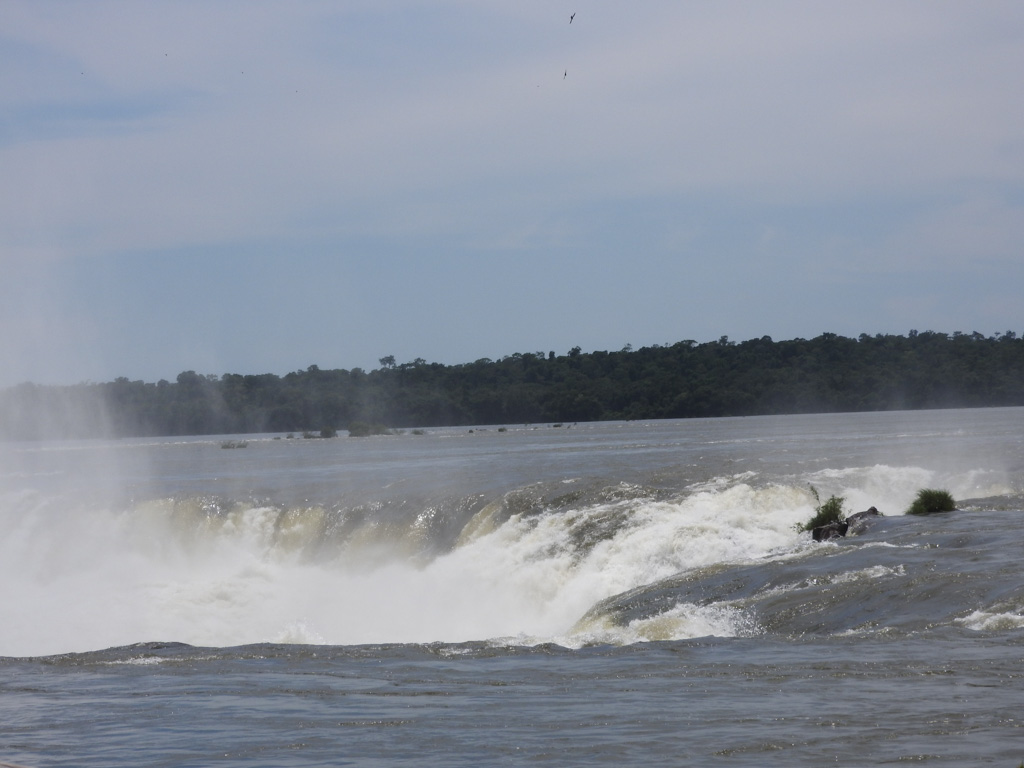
<point x="829" y="373"/>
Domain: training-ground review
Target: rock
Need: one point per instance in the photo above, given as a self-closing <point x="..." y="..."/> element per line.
<point x="859" y="521"/>
<point x="830" y="531"/>
<point x="854" y="524"/>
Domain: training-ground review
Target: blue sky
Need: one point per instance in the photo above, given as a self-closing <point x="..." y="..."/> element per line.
<point x="250" y="187"/>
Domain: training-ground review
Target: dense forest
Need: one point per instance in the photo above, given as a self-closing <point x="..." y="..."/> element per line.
<point x="829" y="373"/>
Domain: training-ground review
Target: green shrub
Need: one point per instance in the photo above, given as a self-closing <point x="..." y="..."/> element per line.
<point x="363" y="429"/>
<point x="824" y="514"/>
<point x="931" y="500"/>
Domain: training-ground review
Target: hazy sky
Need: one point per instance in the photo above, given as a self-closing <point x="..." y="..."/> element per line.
<point x="250" y="187"/>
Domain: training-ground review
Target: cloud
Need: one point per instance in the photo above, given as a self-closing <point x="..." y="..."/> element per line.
<point x="725" y="144"/>
<point x="792" y="100"/>
<point x="979" y="233"/>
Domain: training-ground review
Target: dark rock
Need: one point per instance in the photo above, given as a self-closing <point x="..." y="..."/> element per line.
<point x="860" y="521"/>
<point x="830" y="531"/>
<point x="852" y="525"/>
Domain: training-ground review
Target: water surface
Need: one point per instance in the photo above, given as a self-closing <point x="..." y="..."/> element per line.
<point x="587" y="594"/>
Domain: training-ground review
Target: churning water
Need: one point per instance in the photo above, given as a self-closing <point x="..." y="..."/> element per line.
<point x="594" y="594"/>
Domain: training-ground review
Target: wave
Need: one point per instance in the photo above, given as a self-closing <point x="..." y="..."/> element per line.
<point x="995" y="620"/>
<point x="570" y="562"/>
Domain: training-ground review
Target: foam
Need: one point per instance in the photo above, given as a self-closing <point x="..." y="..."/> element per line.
<point x="211" y="573"/>
<point x="993" y="621"/>
<point x="892" y="489"/>
<point x="684" y="621"/>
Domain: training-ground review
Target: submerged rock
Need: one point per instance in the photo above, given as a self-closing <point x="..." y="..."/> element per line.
<point x="830" y="531"/>
<point x="853" y="524"/>
<point x="861" y="520"/>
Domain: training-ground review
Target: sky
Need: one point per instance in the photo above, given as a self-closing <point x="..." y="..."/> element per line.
<point x="257" y="187"/>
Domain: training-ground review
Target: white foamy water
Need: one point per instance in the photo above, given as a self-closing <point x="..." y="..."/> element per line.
<point x="93" y="578"/>
<point x="448" y="537"/>
<point x="628" y="593"/>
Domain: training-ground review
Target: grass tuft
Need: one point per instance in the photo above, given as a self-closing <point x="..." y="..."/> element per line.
<point x="930" y="500"/>
<point x="824" y="514"/>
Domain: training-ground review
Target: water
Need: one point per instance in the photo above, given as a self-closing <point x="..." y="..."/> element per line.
<point x="619" y="593"/>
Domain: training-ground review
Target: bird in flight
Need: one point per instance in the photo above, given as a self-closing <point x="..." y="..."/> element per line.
<point x="572" y="17"/>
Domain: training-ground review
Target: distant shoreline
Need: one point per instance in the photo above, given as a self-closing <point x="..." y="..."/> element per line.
<point x="827" y="374"/>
